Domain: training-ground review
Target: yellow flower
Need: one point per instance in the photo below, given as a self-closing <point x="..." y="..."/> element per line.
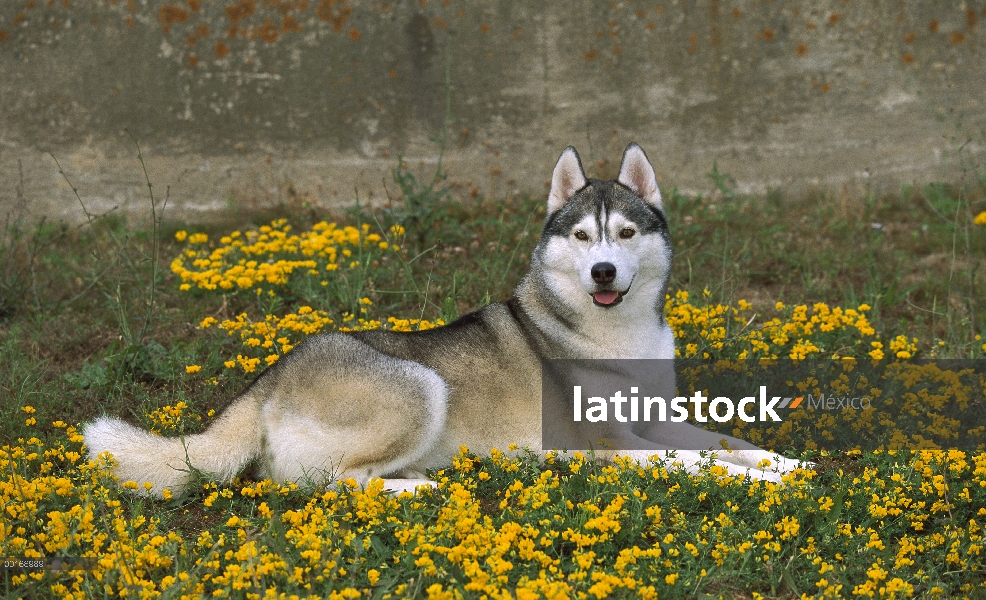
<point x="788" y="527"/>
<point x="193" y="369"/>
<point x="181" y="235"/>
<point x="980" y="218"/>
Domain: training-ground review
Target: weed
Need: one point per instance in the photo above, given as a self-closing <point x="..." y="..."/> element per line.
<point x="422" y="205"/>
<point x="720" y="180"/>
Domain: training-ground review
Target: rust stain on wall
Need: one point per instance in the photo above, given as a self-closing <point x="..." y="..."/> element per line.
<point x="269" y="32"/>
<point x="242" y="10"/>
<point x="335" y="11"/>
<point x="290" y="24"/>
<point x="715" y="34"/>
<point x="170" y="15"/>
<point x="222" y="50"/>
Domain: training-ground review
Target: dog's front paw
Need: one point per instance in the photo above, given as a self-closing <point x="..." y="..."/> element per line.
<point x="399" y="486"/>
<point x="784" y="466"/>
<point x="760" y="475"/>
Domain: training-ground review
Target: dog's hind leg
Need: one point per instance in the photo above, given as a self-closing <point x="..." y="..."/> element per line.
<point x="344" y="410"/>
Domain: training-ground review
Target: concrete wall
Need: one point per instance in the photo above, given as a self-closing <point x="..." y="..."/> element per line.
<point x="309" y="100"/>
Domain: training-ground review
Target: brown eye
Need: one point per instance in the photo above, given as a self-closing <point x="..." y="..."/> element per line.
<point x="627" y="233"/>
<point x="581" y="235"/>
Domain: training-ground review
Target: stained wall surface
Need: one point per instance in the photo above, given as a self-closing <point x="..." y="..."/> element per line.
<point x="314" y="100"/>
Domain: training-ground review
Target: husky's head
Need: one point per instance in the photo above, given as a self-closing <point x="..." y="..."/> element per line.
<point x="605" y="245"/>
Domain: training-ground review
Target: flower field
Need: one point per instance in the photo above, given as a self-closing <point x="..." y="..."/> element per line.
<point x="892" y="525"/>
<point x="881" y="524"/>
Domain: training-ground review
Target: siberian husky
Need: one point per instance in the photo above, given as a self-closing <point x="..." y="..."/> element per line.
<point x="388" y="404"/>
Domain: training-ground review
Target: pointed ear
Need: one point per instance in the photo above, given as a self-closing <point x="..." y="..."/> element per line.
<point x="567" y="179"/>
<point x="637" y="174"/>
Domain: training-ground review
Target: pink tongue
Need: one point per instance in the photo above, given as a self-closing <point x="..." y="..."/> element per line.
<point x="607" y="297"/>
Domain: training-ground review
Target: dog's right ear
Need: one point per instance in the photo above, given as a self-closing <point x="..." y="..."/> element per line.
<point x="567" y="179"/>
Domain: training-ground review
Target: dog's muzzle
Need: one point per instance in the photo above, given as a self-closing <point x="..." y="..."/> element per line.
<point x="605" y="273"/>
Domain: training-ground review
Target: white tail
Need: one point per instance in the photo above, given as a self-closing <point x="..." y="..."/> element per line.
<point x="220" y="452"/>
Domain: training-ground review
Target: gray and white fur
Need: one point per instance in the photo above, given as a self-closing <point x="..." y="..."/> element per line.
<point x="389" y="404"/>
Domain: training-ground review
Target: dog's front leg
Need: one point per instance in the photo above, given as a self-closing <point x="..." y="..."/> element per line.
<point x="729" y="451"/>
<point x="692" y="461"/>
<point x="399" y="486"/>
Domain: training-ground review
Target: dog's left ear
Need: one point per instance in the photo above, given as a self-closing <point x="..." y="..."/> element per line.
<point x="637" y="174"/>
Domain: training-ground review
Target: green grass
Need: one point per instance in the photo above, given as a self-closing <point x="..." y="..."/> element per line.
<point x="92" y="321"/>
<point x="76" y="302"/>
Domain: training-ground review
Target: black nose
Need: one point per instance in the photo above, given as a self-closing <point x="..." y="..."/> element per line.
<point x="603" y="272"/>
